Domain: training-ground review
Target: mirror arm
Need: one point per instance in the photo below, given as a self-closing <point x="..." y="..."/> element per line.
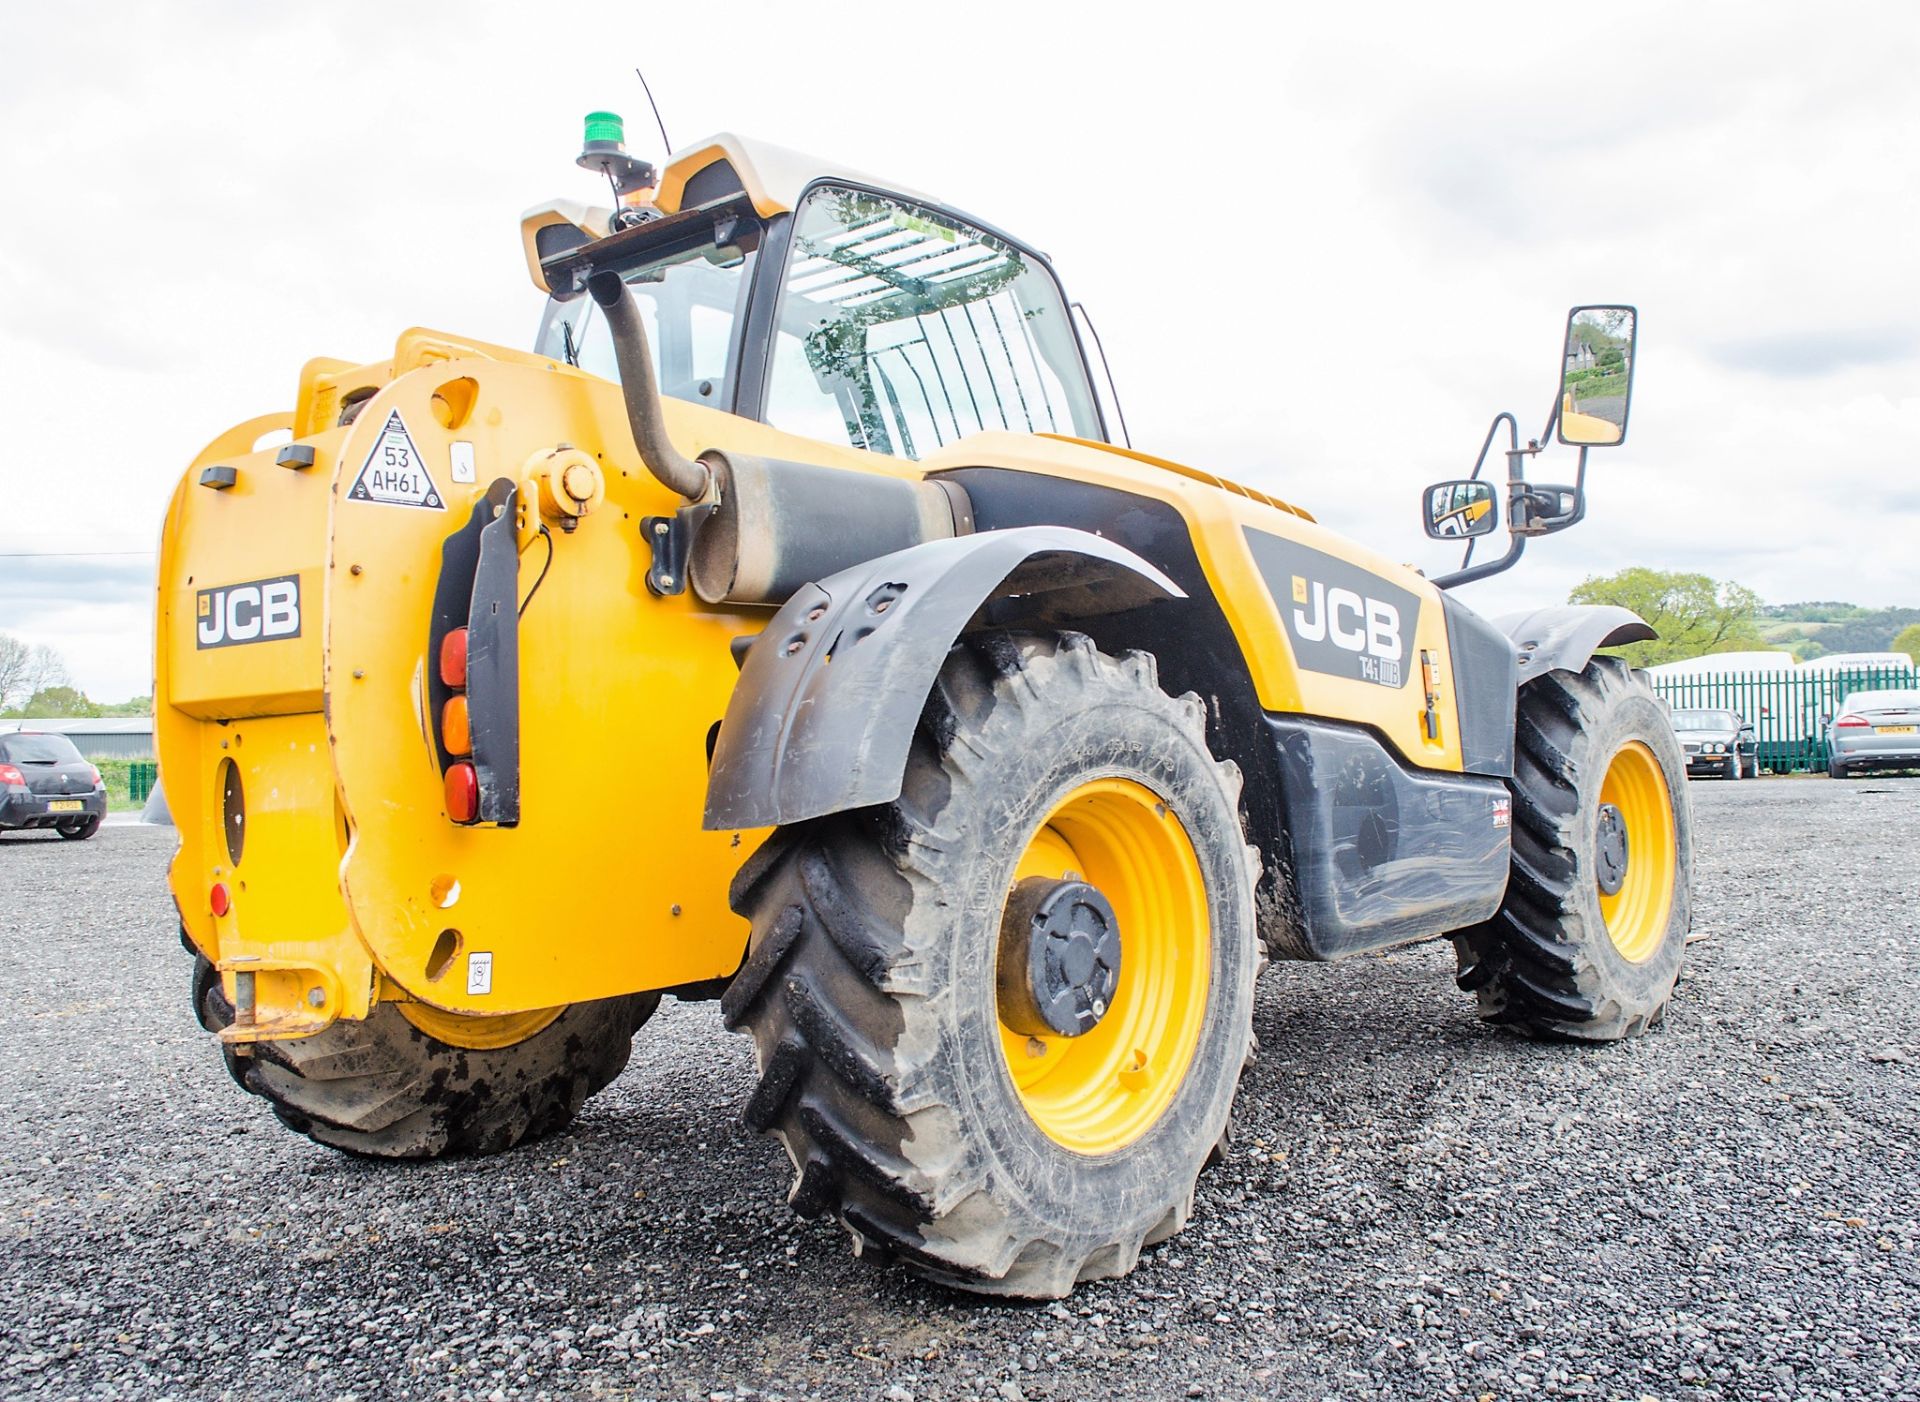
<point x="1513" y="442"/>
<point x="1553" y="422"/>
<point x="1467" y="576"/>
<point x="1516" y="503"/>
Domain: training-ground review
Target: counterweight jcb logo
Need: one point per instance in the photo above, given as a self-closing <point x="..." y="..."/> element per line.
<point x="259" y="611"/>
<point x="1341" y="619"/>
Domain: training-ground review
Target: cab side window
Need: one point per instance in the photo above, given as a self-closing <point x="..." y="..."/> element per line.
<point x="901" y="329"/>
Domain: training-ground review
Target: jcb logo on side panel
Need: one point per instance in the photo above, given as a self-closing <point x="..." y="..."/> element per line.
<point x="1342" y="620"/>
<point x="259" y="611"/>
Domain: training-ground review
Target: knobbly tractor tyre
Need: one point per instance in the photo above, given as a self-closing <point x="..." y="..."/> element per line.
<point x="414" y="1082"/>
<point x="1589" y="940"/>
<point x="1066" y="854"/>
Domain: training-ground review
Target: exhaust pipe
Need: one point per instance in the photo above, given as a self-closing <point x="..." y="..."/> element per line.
<point x="692" y="480"/>
<point x="772" y="525"/>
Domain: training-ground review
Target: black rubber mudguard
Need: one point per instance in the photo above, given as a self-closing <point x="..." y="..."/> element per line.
<point x="831" y="692"/>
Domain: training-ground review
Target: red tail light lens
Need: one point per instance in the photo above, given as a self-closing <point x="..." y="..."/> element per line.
<point x="11" y="777"/>
<point x="218" y="899"/>
<point x="1851" y="722"/>
<point x="463" y="793"/>
<point x="98" y="782"/>
<point x="456" y="730"/>
<point x="453" y="659"/>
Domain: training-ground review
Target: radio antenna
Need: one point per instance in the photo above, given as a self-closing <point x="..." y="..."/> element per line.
<point x="666" y="145"/>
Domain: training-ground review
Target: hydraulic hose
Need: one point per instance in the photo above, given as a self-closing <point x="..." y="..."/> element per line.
<point x="680" y="473"/>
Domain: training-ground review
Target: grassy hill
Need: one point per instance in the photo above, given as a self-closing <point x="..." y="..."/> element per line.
<point x="1815" y="629"/>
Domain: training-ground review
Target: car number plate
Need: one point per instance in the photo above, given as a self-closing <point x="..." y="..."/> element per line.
<point x="1895" y="729"/>
<point x="65" y="805"/>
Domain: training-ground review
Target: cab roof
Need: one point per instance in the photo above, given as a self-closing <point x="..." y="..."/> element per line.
<point x="773" y="177"/>
<point x="714" y="168"/>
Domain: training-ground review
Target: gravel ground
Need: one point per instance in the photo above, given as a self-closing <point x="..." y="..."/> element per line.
<point x="1416" y="1207"/>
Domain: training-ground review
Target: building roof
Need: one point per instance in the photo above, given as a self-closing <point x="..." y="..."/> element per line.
<point x="82" y="725"/>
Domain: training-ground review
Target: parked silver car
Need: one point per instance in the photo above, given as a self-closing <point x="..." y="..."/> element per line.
<point x="1875" y="730"/>
<point x="1718" y="742"/>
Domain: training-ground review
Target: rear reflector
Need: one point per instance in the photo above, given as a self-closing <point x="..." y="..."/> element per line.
<point x="218" y="899"/>
<point x="463" y="793"/>
<point x="455" y="730"/>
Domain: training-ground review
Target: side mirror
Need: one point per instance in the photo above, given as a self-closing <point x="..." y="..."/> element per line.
<point x="1596" y="376"/>
<point x="1459" y="510"/>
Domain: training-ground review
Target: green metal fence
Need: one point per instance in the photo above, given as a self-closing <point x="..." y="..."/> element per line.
<point x="142" y="775"/>
<point x="1789" y="710"/>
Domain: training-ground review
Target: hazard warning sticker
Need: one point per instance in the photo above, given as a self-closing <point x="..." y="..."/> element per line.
<point x="393" y="473"/>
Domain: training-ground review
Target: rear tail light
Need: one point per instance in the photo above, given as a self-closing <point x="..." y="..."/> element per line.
<point x="11" y="777"/>
<point x="98" y="782"/>
<point x="1851" y="722"/>
<point x="463" y="792"/>
<point x="456" y="729"/>
<point x="453" y="659"/>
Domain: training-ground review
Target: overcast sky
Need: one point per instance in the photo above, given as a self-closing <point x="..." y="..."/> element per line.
<point x="1324" y="244"/>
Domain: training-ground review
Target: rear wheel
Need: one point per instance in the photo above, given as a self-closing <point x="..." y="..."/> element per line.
<point x="1000" y="1021"/>
<point x="1590" y="937"/>
<point x="1836" y="770"/>
<point x="414" y="1082"/>
<point x="80" y="829"/>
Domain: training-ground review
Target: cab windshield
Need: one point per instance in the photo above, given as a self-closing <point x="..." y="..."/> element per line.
<point x="689" y="303"/>
<point x="902" y="328"/>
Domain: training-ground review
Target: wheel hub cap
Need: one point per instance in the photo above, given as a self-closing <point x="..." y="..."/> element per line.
<point x="1059" y="958"/>
<point x="1612" y="850"/>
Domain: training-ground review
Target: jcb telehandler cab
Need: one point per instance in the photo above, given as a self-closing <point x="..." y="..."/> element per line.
<point x="788" y="629"/>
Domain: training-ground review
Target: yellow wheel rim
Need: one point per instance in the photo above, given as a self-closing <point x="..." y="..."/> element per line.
<point x="1636" y="915"/>
<point x="1098" y="1092"/>
<point x="475" y="1033"/>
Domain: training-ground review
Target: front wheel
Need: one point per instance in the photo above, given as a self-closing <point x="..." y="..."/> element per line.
<point x="999" y="1022"/>
<point x="1589" y="940"/>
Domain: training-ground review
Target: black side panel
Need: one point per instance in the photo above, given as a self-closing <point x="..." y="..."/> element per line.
<point x="1486" y="681"/>
<point x="1382" y="854"/>
<point x="1190" y="637"/>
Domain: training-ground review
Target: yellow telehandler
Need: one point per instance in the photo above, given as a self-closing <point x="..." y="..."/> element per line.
<point x="787" y="628"/>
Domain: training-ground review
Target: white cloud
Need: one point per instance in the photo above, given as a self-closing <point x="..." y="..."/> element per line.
<point x="1323" y="245"/>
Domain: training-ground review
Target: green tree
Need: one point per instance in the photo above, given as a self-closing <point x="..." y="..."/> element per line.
<point x="51" y="701"/>
<point x="137" y="706"/>
<point x="1693" y="614"/>
<point x="25" y="670"/>
<point x="1907" y="640"/>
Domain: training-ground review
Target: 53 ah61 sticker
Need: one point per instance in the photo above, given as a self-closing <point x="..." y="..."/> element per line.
<point x="1342" y="620"/>
<point x="393" y="473"/>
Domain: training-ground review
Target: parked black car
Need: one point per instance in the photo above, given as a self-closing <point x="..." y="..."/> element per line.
<point x="44" y="783"/>
<point x="1718" y="742"/>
